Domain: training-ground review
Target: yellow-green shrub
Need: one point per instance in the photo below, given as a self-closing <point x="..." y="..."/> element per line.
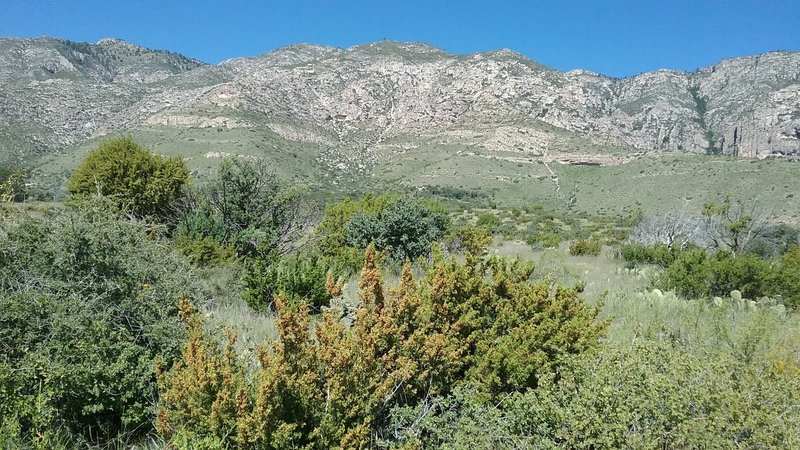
<point x="335" y="386"/>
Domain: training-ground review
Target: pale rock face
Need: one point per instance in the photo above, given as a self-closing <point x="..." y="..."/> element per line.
<point x="351" y="101"/>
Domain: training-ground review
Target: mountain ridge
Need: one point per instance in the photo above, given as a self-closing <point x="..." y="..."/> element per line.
<point x="58" y="93"/>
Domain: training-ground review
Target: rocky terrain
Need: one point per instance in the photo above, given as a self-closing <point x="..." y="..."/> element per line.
<point x="375" y="101"/>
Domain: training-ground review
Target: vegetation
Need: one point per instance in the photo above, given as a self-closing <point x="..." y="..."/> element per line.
<point x="335" y="387"/>
<point x="87" y="301"/>
<point x="238" y="319"/>
<point x="580" y="247"/>
<point x="136" y="180"/>
<point x="245" y="208"/>
<point x="12" y="185"/>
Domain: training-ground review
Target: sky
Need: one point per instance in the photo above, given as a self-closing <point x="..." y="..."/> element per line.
<point x="613" y="37"/>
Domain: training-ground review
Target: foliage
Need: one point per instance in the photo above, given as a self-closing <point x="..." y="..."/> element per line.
<point x="585" y="247"/>
<point x="247" y="208"/>
<point x="787" y="277"/>
<point x="469" y="240"/>
<point x="332" y="230"/>
<point x="652" y="395"/>
<point x="12" y="185"/>
<point x="488" y="221"/>
<point x="205" y="251"/>
<point x="660" y="255"/>
<point x="300" y="277"/>
<point x="136" y="180"/>
<point x="733" y="225"/>
<point x="87" y="300"/>
<point x="335" y="386"/>
<point x="545" y="234"/>
<point x="405" y="229"/>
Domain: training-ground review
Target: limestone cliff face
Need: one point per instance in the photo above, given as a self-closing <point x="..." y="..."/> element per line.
<point x="54" y="93"/>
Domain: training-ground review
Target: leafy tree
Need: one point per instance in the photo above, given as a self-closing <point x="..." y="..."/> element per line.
<point x="135" y="179"/>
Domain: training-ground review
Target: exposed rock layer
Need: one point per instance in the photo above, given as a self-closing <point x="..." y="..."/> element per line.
<point x="55" y="93"/>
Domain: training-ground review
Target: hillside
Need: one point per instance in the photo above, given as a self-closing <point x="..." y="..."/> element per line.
<point x="389" y="112"/>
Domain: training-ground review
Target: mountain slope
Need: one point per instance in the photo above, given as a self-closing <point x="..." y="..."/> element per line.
<point x="56" y="93"/>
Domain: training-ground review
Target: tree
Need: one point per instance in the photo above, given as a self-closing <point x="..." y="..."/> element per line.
<point x="674" y="230"/>
<point x="733" y="225"/>
<point x="406" y="228"/>
<point x="247" y="207"/>
<point x="135" y="179"/>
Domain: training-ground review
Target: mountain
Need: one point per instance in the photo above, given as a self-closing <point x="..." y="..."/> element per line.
<point x="388" y="109"/>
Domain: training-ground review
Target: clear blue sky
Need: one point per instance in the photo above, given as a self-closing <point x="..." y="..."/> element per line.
<point x="614" y="37"/>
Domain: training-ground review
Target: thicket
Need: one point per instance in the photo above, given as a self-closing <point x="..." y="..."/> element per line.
<point x="649" y="395"/>
<point x="580" y="247"/>
<point x="133" y="178"/>
<point x="482" y="323"/>
<point x="243" y="208"/>
<point x="698" y="273"/>
<point x="302" y="277"/>
<point x="400" y="227"/>
<point x="87" y="301"/>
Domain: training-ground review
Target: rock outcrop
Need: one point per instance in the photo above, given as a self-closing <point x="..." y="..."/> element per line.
<point x="55" y="93"/>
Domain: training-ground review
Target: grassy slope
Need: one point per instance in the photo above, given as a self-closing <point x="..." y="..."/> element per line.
<point x="655" y="181"/>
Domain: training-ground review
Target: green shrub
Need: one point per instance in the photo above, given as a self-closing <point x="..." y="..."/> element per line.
<point x="205" y="252"/>
<point x="12" y="185"/>
<point x="136" y="180"/>
<point x="301" y="277"/>
<point x="333" y="385"/>
<point x="488" y="221"/>
<point x="585" y="247"/>
<point x="469" y="240"/>
<point x="87" y="301"/>
<point x="648" y="396"/>
<point x="331" y="233"/>
<point x="404" y="229"/>
<point x="660" y="255"/>
<point x="786" y="278"/>
<point x="246" y="207"/>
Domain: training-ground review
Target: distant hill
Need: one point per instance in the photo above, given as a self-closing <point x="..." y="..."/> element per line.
<point x="396" y="112"/>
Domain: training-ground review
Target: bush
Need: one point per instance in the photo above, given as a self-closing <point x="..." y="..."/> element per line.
<point x="12" y="185"/>
<point x="649" y="396"/>
<point x="585" y="247"/>
<point x="247" y="208"/>
<point x="336" y="385"/>
<point x="786" y="279"/>
<point x="660" y="255"/>
<point x="136" y="180"/>
<point x="87" y="301"/>
<point x="405" y="229"/>
<point x="331" y="233"/>
<point x="302" y="278"/>
<point x="469" y="240"/>
<point x="488" y="221"/>
<point x="205" y="251"/>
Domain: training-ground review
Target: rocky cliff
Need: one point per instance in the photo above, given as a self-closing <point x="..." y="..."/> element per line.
<point x="56" y="93"/>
